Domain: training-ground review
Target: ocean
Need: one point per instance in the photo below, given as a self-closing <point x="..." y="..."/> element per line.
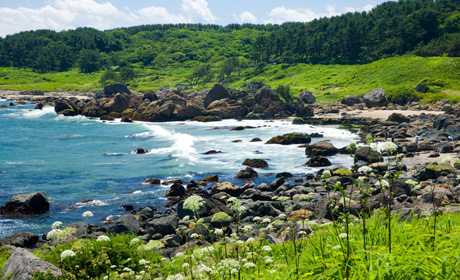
<point x="74" y="159"/>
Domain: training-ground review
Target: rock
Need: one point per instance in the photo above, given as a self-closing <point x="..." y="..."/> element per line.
<point x="127" y="207"/>
<point x="211" y="178"/>
<point x="350" y="100"/>
<point x="434" y="154"/>
<point x="164" y="225"/>
<point x="284" y="174"/>
<point x="140" y="151"/>
<point x="248" y="173"/>
<point x="152" y="181"/>
<point x="23" y="265"/>
<point x="290" y="138"/>
<point x="20" y="239"/>
<point x="206" y="119"/>
<point x="176" y="190"/>
<point x="107" y="118"/>
<point x="210" y="207"/>
<point x="368" y="155"/>
<point x="32" y="92"/>
<point x="126" y="119"/>
<point x="212" y="152"/>
<point x="266" y="93"/>
<point x="379" y="166"/>
<point x="421" y="88"/>
<point x="227" y="188"/>
<point x="397" y="117"/>
<point x="264" y="208"/>
<point x="26" y="204"/>
<point x="113" y="89"/>
<point x="375" y="98"/>
<point x="127" y="224"/>
<point x="39" y="106"/>
<point x="301" y="214"/>
<point x="318" y="161"/>
<point x="216" y="93"/>
<point x="321" y="148"/>
<point x="256" y="139"/>
<point x="255" y="163"/>
<point x="4" y="106"/>
<point x="307" y="97"/>
<point x="446" y="148"/>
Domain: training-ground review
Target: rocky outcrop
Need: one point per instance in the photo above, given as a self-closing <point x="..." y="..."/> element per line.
<point x="368" y="155"/>
<point x="375" y="98"/>
<point x="247" y="173"/>
<point x="217" y="92"/>
<point x="127" y="224"/>
<point x="23" y="265"/>
<point x="26" y="204"/>
<point x="318" y="161"/>
<point x="20" y="239"/>
<point x="350" y="100"/>
<point x="307" y="97"/>
<point x="255" y="163"/>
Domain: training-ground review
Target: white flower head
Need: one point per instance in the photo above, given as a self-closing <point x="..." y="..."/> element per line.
<point x="67" y="254"/>
<point x="134" y="241"/>
<point x="365" y="169"/>
<point x="326" y="174"/>
<point x="249" y="265"/>
<point x="87" y="214"/>
<point x="336" y="247"/>
<point x="194" y="203"/>
<point x="411" y="183"/>
<point x="343" y="235"/>
<point x="382" y="183"/>
<point x="266" y="248"/>
<point x="56" y="225"/>
<point x="103" y="238"/>
<point x="219" y="231"/>
<point x="388" y="147"/>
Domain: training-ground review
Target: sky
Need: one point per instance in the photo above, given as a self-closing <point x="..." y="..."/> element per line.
<point x="25" y="15"/>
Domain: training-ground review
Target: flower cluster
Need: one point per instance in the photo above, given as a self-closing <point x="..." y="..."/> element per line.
<point x="194" y="203"/>
<point x="87" y="214"/>
<point x="67" y="254"/>
<point x="388" y="147"/>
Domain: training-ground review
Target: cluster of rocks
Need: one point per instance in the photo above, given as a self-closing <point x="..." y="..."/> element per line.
<point x="117" y="101"/>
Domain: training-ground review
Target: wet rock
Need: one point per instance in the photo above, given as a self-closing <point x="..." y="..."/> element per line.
<point x="152" y="181"/>
<point x="284" y="175"/>
<point x="107" y="118"/>
<point x="255" y="163"/>
<point x="26" y="204"/>
<point x="318" y="161"/>
<point x="247" y="173"/>
<point x="290" y="138"/>
<point x="140" y="151"/>
<point x="256" y="139"/>
<point x="176" y="190"/>
<point x="125" y="225"/>
<point x="20" y="239"/>
<point x="39" y="106"/>
<point x="212" y="152"/>
<point x="321" y="148"/>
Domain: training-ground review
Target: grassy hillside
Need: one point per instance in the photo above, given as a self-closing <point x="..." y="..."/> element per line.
<point x="398" y="76"/>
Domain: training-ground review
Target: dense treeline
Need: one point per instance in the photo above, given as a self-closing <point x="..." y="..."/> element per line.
<point x="421" y="27"/>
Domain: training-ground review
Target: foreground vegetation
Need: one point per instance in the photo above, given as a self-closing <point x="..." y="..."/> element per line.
<point x="318" y="255"/>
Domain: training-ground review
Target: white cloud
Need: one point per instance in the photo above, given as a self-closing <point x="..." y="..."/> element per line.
<point x="198" y="9"/>
<point x="368" y="7"/>
<point x="283" y="14"/>
<point x="350" y="10"/>
<point x="245" y="17"/>
<point x="160" y="15"/>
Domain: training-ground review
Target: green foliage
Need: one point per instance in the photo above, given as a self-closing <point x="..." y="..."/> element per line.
<point x="342" y="172"/>
<point x="89" y="61"/>
<point x="5" y="253"/>
<point x="285" y="92"/>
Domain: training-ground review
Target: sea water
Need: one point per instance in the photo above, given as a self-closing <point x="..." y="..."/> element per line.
<point x="74" y="159"/>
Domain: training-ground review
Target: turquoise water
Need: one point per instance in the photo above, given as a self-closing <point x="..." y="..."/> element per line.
<point x="74" y="159"/>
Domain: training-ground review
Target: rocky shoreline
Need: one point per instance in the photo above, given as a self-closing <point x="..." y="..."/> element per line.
<point x="422" y="140"/>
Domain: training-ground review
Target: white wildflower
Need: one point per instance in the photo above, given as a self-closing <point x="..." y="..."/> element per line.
<point x="56" y="225"/>
<point x="195" y="235"/>
<point x="219" y="231"/>
<point x="283" y="198"/>
<point x="67" y="254"/>
<point x="186" y="265"/>
<point x="247" y="228"/>
<point x="266" y="248"/>
<point x="143" y="262"/>
<point x="194" y="203"/>
<point x="256" y="219"/>
<point x="175" y="277"/>
<point x="134" y="241"/>
<point x="266" y="221"/>
<point x="336" y="247"/>
<point x="268" y="260"/>
<point x="411" y="183"/>
<point x="87" y="214"/>
<point x="249" y="265"/>
<point x="103" y="238"/>
<point x="326" y="174"/>
<point x="343" y="235"/>
<point x="389" y="147"/>
<point x="365" y="169"/>
<point x="179" y="255"/>
<point x="382" y="183"/>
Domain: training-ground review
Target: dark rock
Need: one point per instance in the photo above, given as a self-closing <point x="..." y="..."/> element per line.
<point x="126" y="118"/>
<point x="321" y="148"/>
<point x="284" y="174"/>
<point x="248" y="173"/>
<point x="264" y="208"/>
<point x="350" y="100"/>
<point x="433" y="155"/>
<point x="397" y="117"/>
<point x="375" y="98"/>
<point x="32" y="92"/>
<point x="236" y="128"/>
<point x="446" y="148"/>
<point x="318" y="161"/>
<point x="20" y="239"/>
<point x="113" y="89"/>
<point x="140" y="151"/>
<point x="216" y="93"/>
<point x="257" y="139"/>
<point x="266" y="93"/>
<point x="307" y="97"/>
<point x="24" y="265"/>
<point x="210" y="207"/>
<point x="421" y="88"/>
<point x="39" y="106"/>
<point x="368" y="155"/>
<point x="176" y="190"/>
<point x="127" y="207"/>
<point x="255" y="163"/>
<point x="164" y="225"/>
<point x="107" y="118"/>
<point x="152" y="181"/>
<point x="212" y="152"/>
<point x="290" y="138"/>
<point x="26" y="204"/>
<point x="227" y="188"/>
<point x="127" y="224"/>
<point x="4" y="106"/>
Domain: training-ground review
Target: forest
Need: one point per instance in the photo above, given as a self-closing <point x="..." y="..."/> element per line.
<point x="417" y="27"/>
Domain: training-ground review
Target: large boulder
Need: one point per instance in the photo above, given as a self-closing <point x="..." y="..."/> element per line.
<point x="368" y="155"/>
<point x="398" y="117"/>
<point x="176" y="190"/>
<point x="307" y="97"/>
<point x="255" y="163"/>
<point x="290" y="138"/>
<point x="26" y="204"/>
<point x="318" y="161"/>
<point x="321" y="148"/>
<point x="127" y="224"/>
<point x="228" y="188"/>
<point x="210" y="207"/>
<point x="216" y="93"/>
<point x="20" y="239"/>
<point x="375" y="98"/>
<point x="266" y="93"/>
<point x="164" y="225"/>
<point x="23" y="265"/>
<point x="118" y="103"/>
<point x="113" y="89"/>
<point x="248" y="173"/>
<point x="350" y="100"/>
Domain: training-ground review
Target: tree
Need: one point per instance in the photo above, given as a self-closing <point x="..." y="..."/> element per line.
<point x="199" y="73"/>
<point x="89" y="61"/>
<point x="229" y="66"/>
<point x="108" y="77"/>
<point x="126" y="74"/>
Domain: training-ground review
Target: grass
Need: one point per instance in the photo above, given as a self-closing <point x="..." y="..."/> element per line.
<point x="397" y="76"/>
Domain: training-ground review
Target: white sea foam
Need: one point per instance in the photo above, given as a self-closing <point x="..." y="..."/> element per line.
<point x="95" y="202"/>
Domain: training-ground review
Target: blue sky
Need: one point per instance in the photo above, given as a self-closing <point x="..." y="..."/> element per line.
<point x="22" y="15"/>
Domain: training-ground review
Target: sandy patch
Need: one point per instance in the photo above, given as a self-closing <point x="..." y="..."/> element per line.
<point x="377" y="114"/>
